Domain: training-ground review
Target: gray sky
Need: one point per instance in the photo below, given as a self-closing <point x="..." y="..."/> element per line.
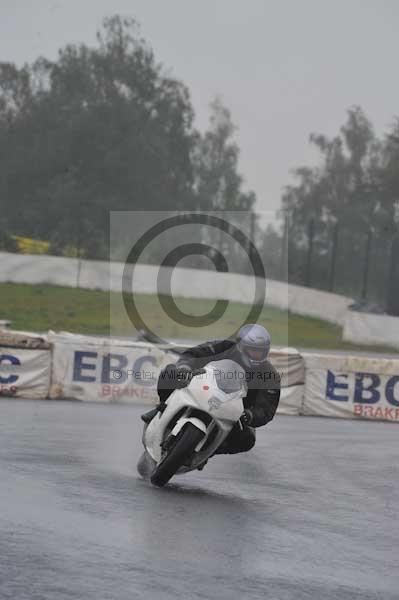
<point x="285" y="68"/>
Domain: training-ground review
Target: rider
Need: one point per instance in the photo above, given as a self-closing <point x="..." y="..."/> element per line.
<point x="250" y="349"/>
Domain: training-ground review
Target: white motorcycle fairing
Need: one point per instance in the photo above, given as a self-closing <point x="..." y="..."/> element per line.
<point x="204" y="404"/>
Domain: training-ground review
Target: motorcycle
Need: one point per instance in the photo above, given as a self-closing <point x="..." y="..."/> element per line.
<point x="194" y="423"/>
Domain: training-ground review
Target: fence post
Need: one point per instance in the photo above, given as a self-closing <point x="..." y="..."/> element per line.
<point x="252" y="234"/>
<point x="78" y="255"/>
<point x="392" y="301"/>
<point x="252" y="229"/>
<point x="284" y="250"/>
<point x="366" y="269"/>
<point x="308" y="274"/>
<point x="333" y="264"/>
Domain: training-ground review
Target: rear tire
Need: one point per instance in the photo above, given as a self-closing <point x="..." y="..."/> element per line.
<point x="184" y="446"/>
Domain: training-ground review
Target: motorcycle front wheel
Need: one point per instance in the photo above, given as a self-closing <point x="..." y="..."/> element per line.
<point x="182" y="449"/>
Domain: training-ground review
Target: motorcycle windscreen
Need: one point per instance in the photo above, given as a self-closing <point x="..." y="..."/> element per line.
<point x="229" y="376"/>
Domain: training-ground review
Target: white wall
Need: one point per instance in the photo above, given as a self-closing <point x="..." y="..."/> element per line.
<point x="23" y="268"/>
<point x="188" y="283"/>
<point x="308" y="301"/>
<point x="365" y="328"/>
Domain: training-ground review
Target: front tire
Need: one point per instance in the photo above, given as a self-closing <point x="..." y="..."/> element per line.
<point x="186" y="442"/>
<point x="146" y="465"/>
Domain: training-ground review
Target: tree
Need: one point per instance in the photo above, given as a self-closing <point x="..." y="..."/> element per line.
<point x="218" y="184"/>
<point x="98" y="130"/>
<point x="343" y="186"/>
<point x="348" y="191"/>
<point x="106" y="128"/>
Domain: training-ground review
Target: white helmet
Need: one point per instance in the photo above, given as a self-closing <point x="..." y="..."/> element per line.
<point x="253" y="344"/>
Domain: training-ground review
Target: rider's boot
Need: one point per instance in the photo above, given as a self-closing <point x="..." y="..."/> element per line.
<point x="223" y="449"/>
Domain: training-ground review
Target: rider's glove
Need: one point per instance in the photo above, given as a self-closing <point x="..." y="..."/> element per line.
<point x="246" y="417"/>
<point x="184" y="374"/>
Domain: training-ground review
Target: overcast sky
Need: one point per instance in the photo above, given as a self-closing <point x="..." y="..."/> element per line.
<point x="285" y="68"/>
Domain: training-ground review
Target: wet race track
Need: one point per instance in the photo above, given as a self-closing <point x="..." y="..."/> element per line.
<point x="310" y="513"/>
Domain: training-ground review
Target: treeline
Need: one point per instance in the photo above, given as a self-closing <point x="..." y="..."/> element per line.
<point x="101" y="129"/>
<point x="340" y="218"/>
<point x="108" y="129"/>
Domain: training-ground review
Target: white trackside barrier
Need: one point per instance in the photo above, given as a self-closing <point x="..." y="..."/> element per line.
<point x="367" y="328"/>
<point x="108" y="370"/>
<point x="185" y="283"/>
<point x="351" y="386"/>
<point x="25" y="365"/>
<point x="290" y="365"/>
<point x="105" y="370"/>
<point x="69" y="366"/>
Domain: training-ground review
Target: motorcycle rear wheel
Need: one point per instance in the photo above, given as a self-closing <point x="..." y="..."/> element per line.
<point x="182" y="449"/>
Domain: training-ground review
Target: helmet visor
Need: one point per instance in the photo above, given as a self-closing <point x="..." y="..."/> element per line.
<point x="255" y="354"/>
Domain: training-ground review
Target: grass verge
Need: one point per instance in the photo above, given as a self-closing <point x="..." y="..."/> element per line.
<point x="43" y="307"/>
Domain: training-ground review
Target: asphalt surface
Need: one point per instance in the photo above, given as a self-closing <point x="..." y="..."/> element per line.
<point x="310" y="513"/>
